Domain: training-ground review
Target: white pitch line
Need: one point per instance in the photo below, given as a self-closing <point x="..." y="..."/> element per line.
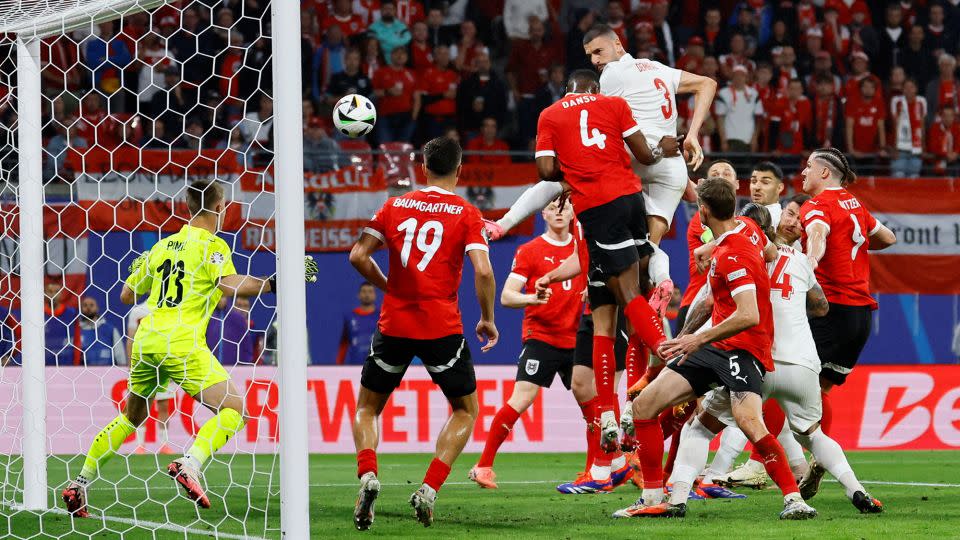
<point x="147" y="524"/>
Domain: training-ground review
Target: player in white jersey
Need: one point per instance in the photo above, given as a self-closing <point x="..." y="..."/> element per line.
<point x="794" y="384"/>
<point x="163" y="399"/>
<point x="766" y="186"/>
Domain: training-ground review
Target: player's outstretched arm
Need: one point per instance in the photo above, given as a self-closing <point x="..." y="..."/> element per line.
<point x="513" y="296"/>
<point x="532" y="200"/>
<point x="486" y="287"/>
<point x="361" y="257"/>
<point x="817" y="304"/>
<point x="745" y="316"/>
<point x="704" y="89"/>
<point x="882" y="238"/>
<point x="246" y="285"/>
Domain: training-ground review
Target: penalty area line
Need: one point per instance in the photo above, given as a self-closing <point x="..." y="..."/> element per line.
<point x="142" y="523"/>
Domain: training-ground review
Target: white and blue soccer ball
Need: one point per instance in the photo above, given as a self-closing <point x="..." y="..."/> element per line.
<point x="354" y="115"/>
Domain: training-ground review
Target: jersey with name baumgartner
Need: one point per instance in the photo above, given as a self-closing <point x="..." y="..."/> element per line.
<point x="650" y="89"/>
<point x="427" y="233"/>
<point x="181" y="272"/>
<point x="585" y="133"/>
<point x="737" y="267"/>
<point x="844" y="269"/>
<point x="555" y="322"/>
<point x="791" y="276"/>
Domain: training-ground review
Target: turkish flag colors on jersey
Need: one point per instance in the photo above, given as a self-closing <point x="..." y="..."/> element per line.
<point x="585" y="133"/>
<point x="427" y="233"/>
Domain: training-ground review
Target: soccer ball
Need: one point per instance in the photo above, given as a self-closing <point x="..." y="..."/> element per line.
<point x="354" y="115"/>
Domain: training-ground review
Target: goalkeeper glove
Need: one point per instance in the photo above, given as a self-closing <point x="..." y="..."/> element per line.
<point x="310" y="271"/>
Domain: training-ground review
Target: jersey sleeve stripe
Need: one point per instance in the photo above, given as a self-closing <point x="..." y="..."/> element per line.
<point x="545" y="153"/>
<point x="476" y="247"/>
<point x="375" y="233"/>
<point x="820" y="221"/>
<point x="743" y="288"/>
<point x="875" y="229"/>
<point x="514" y="275"/>
<point x="631" y="131"/>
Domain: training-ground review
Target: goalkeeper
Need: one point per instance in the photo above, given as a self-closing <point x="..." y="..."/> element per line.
<point x="185" y="275"/>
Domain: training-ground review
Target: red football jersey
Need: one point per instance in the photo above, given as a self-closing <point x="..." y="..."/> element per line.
<point x="695" y="239"/>
<point x="349" y="26"/>
<point x="866" y="117"/>
<point x="596" y="163"/>
<point x="736" y="267"/>
<point x="796" y="118"/>
<point x="844" y="269"/>
<point x="427" y="233"/>
<point x="556" y="321"/>
<point x="386" y="78"/>
<point x="435" y="81"/>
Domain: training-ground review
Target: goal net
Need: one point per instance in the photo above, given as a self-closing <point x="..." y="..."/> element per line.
<point x="136" y="99"/>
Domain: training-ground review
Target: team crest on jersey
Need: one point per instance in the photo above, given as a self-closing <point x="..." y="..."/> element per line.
<point x="216" y="257"/>
<point x="532" y="366"/>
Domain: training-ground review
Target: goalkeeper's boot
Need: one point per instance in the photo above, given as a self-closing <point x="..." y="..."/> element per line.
<point x="609" y="432"/>
<point x="585" y="484"/>
<point x="75" y="497"/>
<point x="810" y="483"/>
<point x="422" y="502"/>
<point x="660" y="297"/>
<point x="751" y="474"/>
<point x="363" y="511"/>
<point x="484" y="477"/>
<point x="189" y="479"/>
<point x="795" y="508"/>
<point x="866" y="504"/>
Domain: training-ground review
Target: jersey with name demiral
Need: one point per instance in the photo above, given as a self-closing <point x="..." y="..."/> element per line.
<point x="844" y="269"/>
<point x="427" y="233"/>
<point x="650" y="89"/>
<point x="737" y="266"/>
<point x="555" y="322"/>
<point x="791" y="276"/>
<point x="585" y="133"/>
<point x="181" y="273"/>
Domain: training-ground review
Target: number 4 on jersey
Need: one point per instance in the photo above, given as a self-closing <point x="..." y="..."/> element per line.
<point x="781" y="279"/>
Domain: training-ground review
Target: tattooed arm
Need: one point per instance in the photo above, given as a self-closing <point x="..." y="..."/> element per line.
<point x="817" y="305"/>
<point x="700" y="310"/>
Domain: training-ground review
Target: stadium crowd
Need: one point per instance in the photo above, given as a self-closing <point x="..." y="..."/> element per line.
<point x="875" y="79"/>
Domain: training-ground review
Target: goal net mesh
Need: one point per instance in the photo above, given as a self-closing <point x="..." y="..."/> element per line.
<point x="139" y="99"/>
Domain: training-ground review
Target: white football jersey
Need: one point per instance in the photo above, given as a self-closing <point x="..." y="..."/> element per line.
<point x="775" y="212"/>
<point x="650" y="89"/>
<point x="791" y="276"/>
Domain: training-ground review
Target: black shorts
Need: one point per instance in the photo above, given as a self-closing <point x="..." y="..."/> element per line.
<point x="840" y="336"/>
<point x="447" y="359"/>
<point x="711" y="367"/>
<point x="583" y="353"/>
<point x="540" y="361"/>
<point x="616" y="235"/>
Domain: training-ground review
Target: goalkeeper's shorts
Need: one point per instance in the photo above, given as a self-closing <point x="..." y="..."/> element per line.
<point x="193" y="372"/>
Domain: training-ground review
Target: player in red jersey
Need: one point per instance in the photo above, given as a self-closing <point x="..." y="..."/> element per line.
<point x="837" y="232"/>
<point x="427" y="233"/>
<point x="734" y="352"/>
<point x="607" y="194"/>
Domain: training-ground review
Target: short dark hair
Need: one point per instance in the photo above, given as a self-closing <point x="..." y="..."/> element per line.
<point x="442" y="156"/>
<point x="717" y="195"/>
<point x="596" y="31"/>
<point x="770" y="167"/>
<point x="203" y="196"/>
<point x="365" y="284"/>
<point x="799" y="198"/>
<point x="582" y="77"/>
<point x="761" y="216"/>
<point x="721" y="160"/>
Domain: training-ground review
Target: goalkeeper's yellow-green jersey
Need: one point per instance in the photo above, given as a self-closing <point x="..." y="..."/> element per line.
<point x="181" y="273"/>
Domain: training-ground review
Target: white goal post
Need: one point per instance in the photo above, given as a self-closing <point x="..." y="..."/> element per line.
<point x="33" y="21"/>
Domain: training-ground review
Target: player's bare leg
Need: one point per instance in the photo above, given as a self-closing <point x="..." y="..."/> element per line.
<point x="453" y="437"/>
<point x="366" y="437"/>
<point x="659" y="268"/>
<point x="524" y="394"/>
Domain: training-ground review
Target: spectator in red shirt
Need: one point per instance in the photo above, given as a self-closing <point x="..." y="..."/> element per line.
<point x="466" y="51"/>
<point x="866" y="130"/>
<point x="343" y="16"/>
<point x="92" y="116"/>
<point x="792" y="120"/>
<point x="823" y="66"/>
<point x="943" y="92"/>
<point x="372" y="57"/>
<point x="421" y="53"/>
<point x="438" y="92"/>
<point x="836" y="35"/>
<point x="827" y="121"/>
<point x="59" y="57"/>
<point x="487" y="141"/>
<point x="847" y="10"/>
<point x="527" y="71"/>
<point x="398" y="103"/>
<point x="616" y="20"/>
<point x="692" y="59"/>
<point x="943" y="142"/>
<point x="736" y="57"/>
<point x="859" y="70"/>
<point x="769" y="95"/>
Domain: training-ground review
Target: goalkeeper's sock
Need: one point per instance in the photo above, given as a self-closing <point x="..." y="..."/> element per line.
<point x="214" y="434"/>
<point x="105" y="445"/>
<point x="500" y="428"/>
<point x="436" y="474"/>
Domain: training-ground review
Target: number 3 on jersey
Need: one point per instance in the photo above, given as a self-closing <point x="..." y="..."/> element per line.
<point x="666" y="109"/>
<point x="429" y="249"/>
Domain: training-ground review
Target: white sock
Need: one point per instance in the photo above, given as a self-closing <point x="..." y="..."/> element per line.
<point x="142" y="435"/>
<point x="691" y="458"/>
<point x="659" y="265"/>
<point x="652" y="496"/>
<point x="529" y="202"/>
<point x="792" y="448"/>
<point x="732" y="441"/>
<point x="599" y="472"/>
<point x="161" y="433"/>
<point x="618" y="462"/>
<point x="192" y="462"/>
<point x="829" y="454"/>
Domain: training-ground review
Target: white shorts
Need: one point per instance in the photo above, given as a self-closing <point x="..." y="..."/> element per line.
<point x="796" y="389"/>
<point x="663" y="185"/>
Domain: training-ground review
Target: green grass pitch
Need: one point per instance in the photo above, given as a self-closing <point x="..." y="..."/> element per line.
<point x="135" y="499"/>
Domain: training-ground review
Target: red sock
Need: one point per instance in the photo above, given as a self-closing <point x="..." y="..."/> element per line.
<point x="645" y="322"/>
<point x="773" y="418"/>
<point x="650" y="451"/>
<point x="826" y="420"/>
<point x="436" y="474"/>
<point x="590" y="416"/>
<point x="604" y="370"/>
<point x="499" y="430"/>
<point x="775" y="462"/>
<point x="671" y="423"/>
<point x="636" y="360"/>
<point x="366" y="462"/>
<point x="672" y="455"/>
